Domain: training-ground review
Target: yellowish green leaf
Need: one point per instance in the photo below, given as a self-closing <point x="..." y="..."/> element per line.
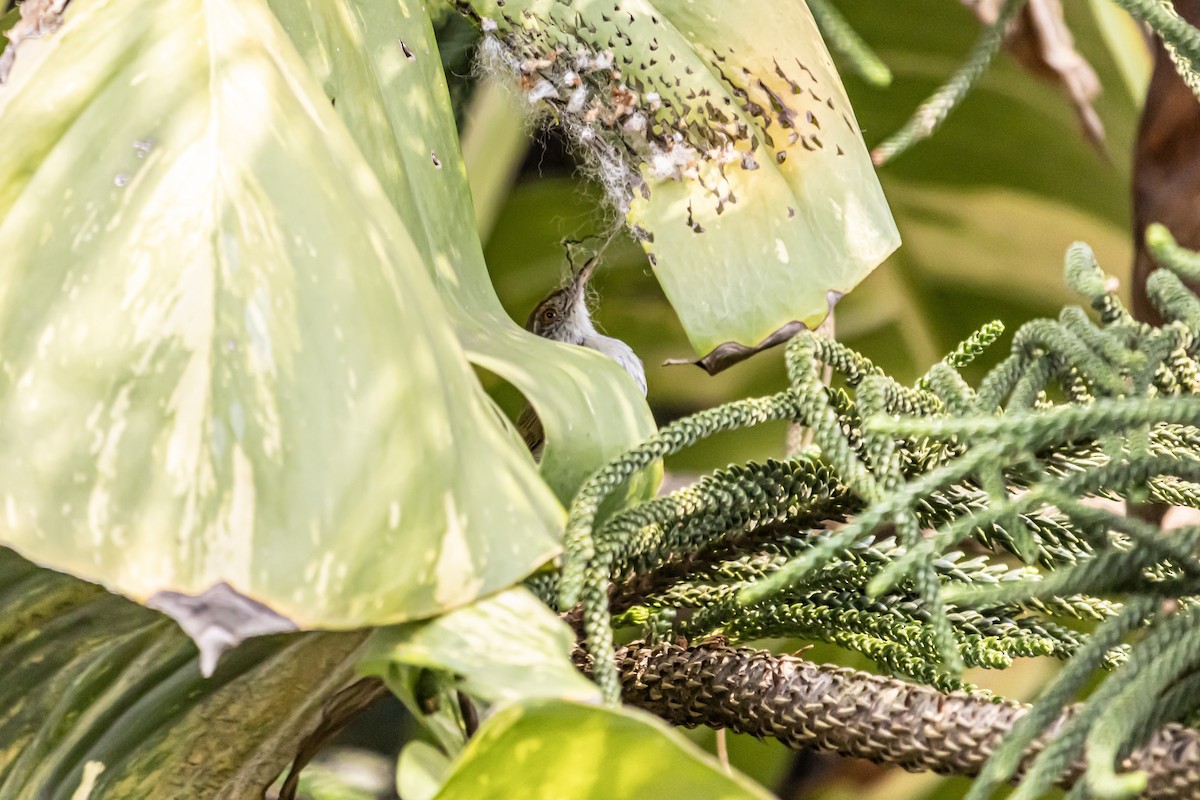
<point x="378" y="60"/>
<point x="222" y="358"/>
<point x="505" y="647"/>
<point x="544" y="749"/>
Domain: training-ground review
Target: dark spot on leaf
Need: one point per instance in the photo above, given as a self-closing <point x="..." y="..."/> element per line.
<point x="437" y="162"/>
<point x="407" y="53"/>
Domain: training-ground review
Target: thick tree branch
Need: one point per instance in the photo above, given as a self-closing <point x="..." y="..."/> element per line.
<point x="1166" y="166"/>
<point x="853" y="713"/>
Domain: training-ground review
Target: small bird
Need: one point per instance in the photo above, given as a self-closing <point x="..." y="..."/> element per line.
<point x="564" y="317"/>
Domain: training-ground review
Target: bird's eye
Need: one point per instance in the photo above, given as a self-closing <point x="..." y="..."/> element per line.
<point x="549" y="315"/>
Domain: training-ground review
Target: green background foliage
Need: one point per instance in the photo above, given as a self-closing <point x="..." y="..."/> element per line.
<point x="341" y="198"/>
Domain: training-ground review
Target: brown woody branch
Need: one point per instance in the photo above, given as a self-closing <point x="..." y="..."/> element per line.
<point x="886" y="720"/>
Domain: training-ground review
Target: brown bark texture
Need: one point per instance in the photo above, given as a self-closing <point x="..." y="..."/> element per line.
<point x="885" y="720"/>
<point x="1166" y="166"/>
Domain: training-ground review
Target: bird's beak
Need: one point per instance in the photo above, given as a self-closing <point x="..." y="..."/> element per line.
<point x="584" y="273"/>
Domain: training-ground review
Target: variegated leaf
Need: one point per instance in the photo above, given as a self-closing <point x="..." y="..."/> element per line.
<point x="222" y="359"/>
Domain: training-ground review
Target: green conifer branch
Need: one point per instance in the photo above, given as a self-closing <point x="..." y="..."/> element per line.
<point x="934" y="111"/>
<point x="853" y="542"/>
<point x="845" y="41"/>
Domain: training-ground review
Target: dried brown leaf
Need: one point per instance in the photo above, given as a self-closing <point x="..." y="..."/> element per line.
<point x="38" y="18"/>
<point x="1041" y="41"/>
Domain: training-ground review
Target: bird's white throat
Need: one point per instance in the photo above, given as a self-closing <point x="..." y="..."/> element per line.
<point x="579" y="329"/>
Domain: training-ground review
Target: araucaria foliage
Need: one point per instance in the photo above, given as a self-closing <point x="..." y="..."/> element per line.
<point x="942" y="525"/>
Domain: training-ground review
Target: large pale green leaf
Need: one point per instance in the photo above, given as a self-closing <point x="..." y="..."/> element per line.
<point x="103" y="699"/>
<point x="221" y="355"/>
<point x="500" y="649"/>
<point x="505" y="647"/>
<point x="724" y="131"/>
<point x="377" y="59"/>
<point x="554" y="749"/>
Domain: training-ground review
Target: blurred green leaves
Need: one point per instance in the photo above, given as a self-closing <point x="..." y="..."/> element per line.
<point x="986" y="205"/>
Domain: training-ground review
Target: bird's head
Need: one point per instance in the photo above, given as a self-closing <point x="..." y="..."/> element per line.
<point x="563" y="315"/>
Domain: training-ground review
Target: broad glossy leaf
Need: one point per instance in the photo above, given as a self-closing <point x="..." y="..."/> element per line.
<point x="544" y="749"/>
<point x="103" y="695"/>
<point x="221" y="356"/>
<point x="505" y="647"/>
<point x="724" y="132"/>
<point x="377" y="59"/>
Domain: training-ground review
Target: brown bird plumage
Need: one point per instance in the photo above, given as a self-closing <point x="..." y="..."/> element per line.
<point x="564" y="317"/>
